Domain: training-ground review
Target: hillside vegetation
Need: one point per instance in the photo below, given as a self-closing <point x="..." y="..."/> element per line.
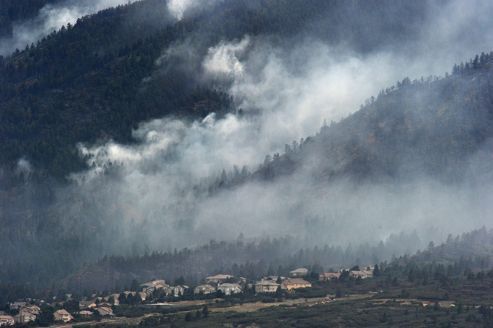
<point x="98" y="79"/>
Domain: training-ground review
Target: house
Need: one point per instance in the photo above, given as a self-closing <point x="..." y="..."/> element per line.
<point x="266" y="286"/>
<point x="361" y="274"/>
<point x="295" y="283"/>
<point x="155" y="283"/>
<point x="218" y="278"/>
<point x="85" y="314"/>
<point x="300" y="272"/>
<point x="27" y="314"/>
<point x="178" y="291"/>
<point x="150" y="286"/>
<point x="32" y="308"/>
<point x="105" y="311"/>
<point x="62" y="315"/>
<point x="91" y="304"/>
<point x="175" y="291"/>
<point x="327" y="276"/>
<point x="204" y="289"/>
<point x="229" y="289"/>
<point x="6" y="321"/>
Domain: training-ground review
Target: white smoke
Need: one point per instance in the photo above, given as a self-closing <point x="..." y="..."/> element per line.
<point x="291" y="89"/>
<point x="222" y="60"/>
<point x="51" y="18"/>
<point x="178" y="8"/>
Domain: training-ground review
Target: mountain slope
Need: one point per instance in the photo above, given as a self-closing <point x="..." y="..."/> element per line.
<point x="432" y="127"/>
<point x="98" y="79"/>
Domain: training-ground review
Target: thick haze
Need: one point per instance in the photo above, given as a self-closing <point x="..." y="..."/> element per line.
<point x="146" y="193"/>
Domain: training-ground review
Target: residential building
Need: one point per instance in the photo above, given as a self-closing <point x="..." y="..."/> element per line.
<point x="361" y="274"/>
<point x="229" y="289"/>
<point x="85" y="314"/>
<point x="295" y="283"/>
<point x="327" y="276"/>
<point x="298" y="273"/>
<point x="6" y="321"/>
<point x="27" y="314"/>
<point x="105" y="311"/>
<point x="160" y="283"/>
<point x="91" y="304"/>
<point x="175" y="291"/>
<point x="204" y="289"/>
<point x="63" y="315"/>
<point x="150" y="286"/>
<point x="266" y="286"/>
<point x="218" y="278"/>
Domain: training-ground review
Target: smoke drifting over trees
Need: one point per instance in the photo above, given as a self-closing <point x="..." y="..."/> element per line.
<point x="284" y="67"/>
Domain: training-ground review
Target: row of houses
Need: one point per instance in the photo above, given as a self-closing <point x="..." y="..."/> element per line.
<point x="29" y="313"/>
<point x="150" y="287"/>
<point x="272" y="284"/>
<point x="365" y="273"/>
<point x="227" y="284"/>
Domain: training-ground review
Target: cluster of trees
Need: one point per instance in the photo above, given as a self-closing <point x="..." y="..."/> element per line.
<point x="467" y="256"/>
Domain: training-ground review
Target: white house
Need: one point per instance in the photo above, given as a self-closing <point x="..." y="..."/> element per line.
<point x="63" y="315"/>
<point x="104" y="311"/>
<point x="266" y="286"/>
<point x="150" y="286"/>
<point x="175" y="291"/>
<point x="85" y="314"/>
<point x="361" y="274"/>
<point x="27" y="314"/>
<point x="204" y="289"/>
<point x="218" y="278"/>
<point x="6" y="321"/>
<point x="327" y="276"/>
<point x="229" y="289"/>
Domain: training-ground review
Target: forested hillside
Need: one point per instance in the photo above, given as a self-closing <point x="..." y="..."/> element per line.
<point x="433" y="125"/>
<point x="429" y="127"/>
<point x="470" y="251"/>
<point x="98" y="79"/>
